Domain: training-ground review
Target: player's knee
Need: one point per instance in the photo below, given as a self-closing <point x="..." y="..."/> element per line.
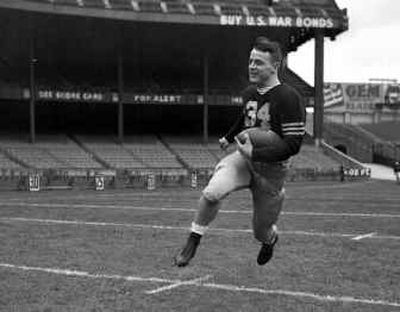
<point x="211" y="198"/>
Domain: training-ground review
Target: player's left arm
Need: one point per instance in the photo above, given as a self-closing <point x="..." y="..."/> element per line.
<point x="292" y="118"/>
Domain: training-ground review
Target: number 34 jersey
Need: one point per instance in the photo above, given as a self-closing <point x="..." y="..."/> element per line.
<point x="281" y="110"/>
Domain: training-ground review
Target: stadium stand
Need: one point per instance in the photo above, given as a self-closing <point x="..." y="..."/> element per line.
<point x="386" y="141"/>
<point x="30" y="155"/>
<point x="313" y="157"/>
<point x="207" y="7"/>
<point x="50" y="152"/>
<point x="192" y="152"/>
<point x="197" y="155"/>
<point x="65" y="150"/>
<point x="106" y="149"/>
<point x="6" y="163"/>
<point x="358" y="144"/>
<point x="289" y="76"/>
<point x="95" y="49"/>
<point x="151" y="152"/>
<point x="387" y="131"/>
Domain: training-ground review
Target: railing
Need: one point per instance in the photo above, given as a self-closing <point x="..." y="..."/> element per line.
<point x="340" y="157"/>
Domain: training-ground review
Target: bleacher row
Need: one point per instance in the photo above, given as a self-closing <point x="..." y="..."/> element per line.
<point x="208" y="7"/>
<point x="137" y="152"/>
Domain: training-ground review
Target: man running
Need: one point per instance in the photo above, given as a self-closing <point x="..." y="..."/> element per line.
<point x="271" y="106"/>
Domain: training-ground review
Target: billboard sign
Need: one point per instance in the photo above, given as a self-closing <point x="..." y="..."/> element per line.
<point x="359" y="97"/>
<point x="71" y="95"/>
<point x="277" y="21"/>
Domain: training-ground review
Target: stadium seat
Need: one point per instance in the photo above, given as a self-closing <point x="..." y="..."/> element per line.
<point x="177" y="7"/>
<point x="151" y="152"/>
<point x="112" y="153"/>
<point x="312" y="157"/>
<point x="6" y="163"/>
<point x="150" y="6"/>
<point x="30" y="154"/>
<point x="94" y="3"/>
<point x="192" y="152"/>
<point x="121" y="4"/>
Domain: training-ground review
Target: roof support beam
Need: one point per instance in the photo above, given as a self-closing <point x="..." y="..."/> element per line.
<point x="205" y="96"/>
<point x="32" y="85"/>
<point x="319" y="86"/>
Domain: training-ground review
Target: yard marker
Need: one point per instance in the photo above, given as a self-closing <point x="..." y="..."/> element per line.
<point x="360" y="237"/>
<point x="200" y="284"/>
<point x="196" y="281"/>
<point x="181" y="228"/>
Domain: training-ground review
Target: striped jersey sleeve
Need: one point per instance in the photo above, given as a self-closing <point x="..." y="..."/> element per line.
<point x="293" y="128"/>
<point x="293" y="124"/>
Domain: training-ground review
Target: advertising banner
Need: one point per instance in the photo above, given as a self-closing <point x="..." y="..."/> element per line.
<point x="72" y="95"/>
<point x="278" y="21"/>
<point x="359" y="97"/>
<point x="92" y="96"/>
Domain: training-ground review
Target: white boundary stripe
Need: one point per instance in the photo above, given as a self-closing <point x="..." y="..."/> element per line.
<point x="181" y="228"/>
<point x="150" y="208"/>
<point x="196" y="281"/>
<point x="360" y="237"/>
<point x="89" y="275"/>
<point x="347" y="299"/>
<point x="227" y="287"/>
<point x="342" y="214"/>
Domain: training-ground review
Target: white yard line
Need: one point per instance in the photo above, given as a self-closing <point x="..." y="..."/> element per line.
<point x="360" y="237"/>
<point x="90" y="275"/>
<point x="172" y="209"/>
<point x="201" y="284"/>
<point x="166" y="227"/>
<point x="318" y="297"/>
<point x="196" y="281"/>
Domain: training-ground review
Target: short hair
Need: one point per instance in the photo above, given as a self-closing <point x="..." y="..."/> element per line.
<point x="263" y="44"/>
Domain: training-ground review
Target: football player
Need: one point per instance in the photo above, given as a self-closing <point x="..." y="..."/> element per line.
<point x="271" y="110"/>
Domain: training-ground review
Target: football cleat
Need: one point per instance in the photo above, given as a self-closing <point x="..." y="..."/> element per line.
<point x="267" y="251"/>
<point x="187" y="253"/>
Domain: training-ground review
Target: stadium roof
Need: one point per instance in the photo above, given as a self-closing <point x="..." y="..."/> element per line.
<point x="297" y="14"/>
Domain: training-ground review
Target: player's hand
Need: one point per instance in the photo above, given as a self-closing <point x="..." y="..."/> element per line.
<point x="223" y="143"/>
<point x="244" y="145"/>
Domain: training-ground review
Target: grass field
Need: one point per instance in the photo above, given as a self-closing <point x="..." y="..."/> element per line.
<point x="339" y="250"/>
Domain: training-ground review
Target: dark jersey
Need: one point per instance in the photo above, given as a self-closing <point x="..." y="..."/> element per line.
<point x="281" y="110"/>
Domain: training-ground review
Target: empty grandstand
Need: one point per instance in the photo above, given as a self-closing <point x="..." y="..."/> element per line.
<point x="151" y="152"/>
<point x="109" y="153"/>
<point x="386" y="131"/>
<point x="7" y="163"/>
<point x="192" y="152"/>
<point x="313" y="157"/>
<point x="50" y="151"/>
<point x="120" y="82"/>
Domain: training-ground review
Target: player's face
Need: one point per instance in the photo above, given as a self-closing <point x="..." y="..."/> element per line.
<point x="260" y="67"/>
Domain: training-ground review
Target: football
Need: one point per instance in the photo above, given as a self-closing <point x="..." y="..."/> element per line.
<point x="260" y="137"/>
